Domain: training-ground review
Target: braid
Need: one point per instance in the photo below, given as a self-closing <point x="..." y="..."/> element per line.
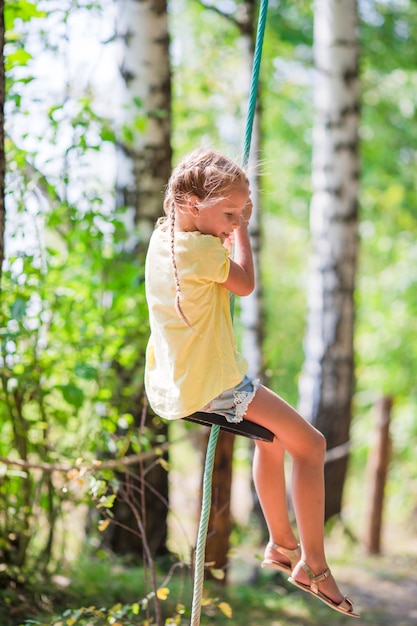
<point x="178" y="295"/>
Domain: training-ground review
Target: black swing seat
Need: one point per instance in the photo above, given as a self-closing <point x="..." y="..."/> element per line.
<point x="243" y="428"/>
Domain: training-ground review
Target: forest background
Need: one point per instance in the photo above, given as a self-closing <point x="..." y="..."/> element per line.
<point x="74" y="321"/>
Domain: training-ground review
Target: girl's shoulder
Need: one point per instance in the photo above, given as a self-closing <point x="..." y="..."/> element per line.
<point x="202" y="256"/>
<point x="193" y="239"/>
<point x="197" y="245"/>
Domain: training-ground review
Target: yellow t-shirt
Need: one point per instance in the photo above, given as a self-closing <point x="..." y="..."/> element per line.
<point x="187" y="367"/>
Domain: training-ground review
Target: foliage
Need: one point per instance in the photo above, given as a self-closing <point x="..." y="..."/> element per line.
<point x="208" y="106"/>
<point x="68" y="281"/>
<point x="387" y="279"/>
<point x="102" y="591"/>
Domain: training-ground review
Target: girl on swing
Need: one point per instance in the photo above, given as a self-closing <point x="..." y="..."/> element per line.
<point x="192" y="363"/>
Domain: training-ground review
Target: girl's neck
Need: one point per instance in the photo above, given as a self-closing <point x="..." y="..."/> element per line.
<point x="184" y="222"/>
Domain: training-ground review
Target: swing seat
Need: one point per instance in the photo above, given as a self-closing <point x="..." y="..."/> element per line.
<point x="243" y="428"/>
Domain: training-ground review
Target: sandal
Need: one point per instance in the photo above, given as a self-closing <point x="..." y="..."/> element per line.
<point x="292" y="555"/>
<point x="345" y="607"/>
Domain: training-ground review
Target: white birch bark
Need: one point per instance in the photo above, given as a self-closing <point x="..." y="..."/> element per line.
<point x="326" y="384"/>
<point x="251" y="306"/>
<point x="142" y="31"/>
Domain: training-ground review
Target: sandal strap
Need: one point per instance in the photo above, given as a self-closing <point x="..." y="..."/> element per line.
<point x="314" y="578"/>
<point x="293" y="555"/>
<point x="346" y="605"/>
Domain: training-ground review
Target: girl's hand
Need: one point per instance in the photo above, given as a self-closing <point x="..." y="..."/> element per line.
<point x="247" y="211"/>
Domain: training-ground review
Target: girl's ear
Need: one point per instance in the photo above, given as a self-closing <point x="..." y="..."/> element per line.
<point x="192" y="204"/>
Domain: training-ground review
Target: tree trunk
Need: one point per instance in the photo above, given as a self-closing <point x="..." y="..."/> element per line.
<point x="145" y="107"/>
<point x="326" y="384"/>
<point x="220" y="522"/>
<point x="376" y="475"/>
<point x="144" y="166"/>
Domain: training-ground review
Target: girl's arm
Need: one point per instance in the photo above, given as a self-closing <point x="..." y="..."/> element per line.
<point x="241" y="279"/>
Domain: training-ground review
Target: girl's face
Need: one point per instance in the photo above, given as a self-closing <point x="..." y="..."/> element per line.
<point x="222" y="217"/>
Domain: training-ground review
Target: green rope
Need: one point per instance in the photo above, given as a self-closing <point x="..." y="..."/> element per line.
<point x="203" y="527"/>
<point x="214" y="433"/>
<point x="253" y="93"/>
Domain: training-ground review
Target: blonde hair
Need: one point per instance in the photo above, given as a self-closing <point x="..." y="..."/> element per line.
<point x="208" y="175"/>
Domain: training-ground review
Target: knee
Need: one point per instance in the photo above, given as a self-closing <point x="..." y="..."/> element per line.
<point x="313" y="448"/>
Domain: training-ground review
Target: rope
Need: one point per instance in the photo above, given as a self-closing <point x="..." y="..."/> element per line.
<point x="214" y="433"/>
<point x="203" y="527"/>
<point x="253" y="93"/>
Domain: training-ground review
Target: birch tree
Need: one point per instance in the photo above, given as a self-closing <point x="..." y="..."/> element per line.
<point x="144" y="108"/>
<point x="143" y="113"/>
<point x="326" y="384"/>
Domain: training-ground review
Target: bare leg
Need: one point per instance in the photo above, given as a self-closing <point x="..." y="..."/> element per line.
<point x="307" y="447"/>
<point x="268" y="462"/>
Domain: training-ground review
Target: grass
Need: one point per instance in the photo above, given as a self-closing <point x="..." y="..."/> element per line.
<point x="102" y="584"/>
<point x="383" y="587"/>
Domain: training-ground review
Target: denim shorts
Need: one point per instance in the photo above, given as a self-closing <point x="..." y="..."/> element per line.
<point x="233" y="403"/>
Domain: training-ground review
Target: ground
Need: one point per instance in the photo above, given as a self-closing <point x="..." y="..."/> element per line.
<point x="386" y="589"/>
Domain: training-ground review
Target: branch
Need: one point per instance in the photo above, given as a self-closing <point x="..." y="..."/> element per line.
<point x="95" y="464"/>
<point x="339" y="452"/>
<point x="213" y="7"/>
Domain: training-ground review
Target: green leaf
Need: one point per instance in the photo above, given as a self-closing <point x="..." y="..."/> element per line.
<point x="141" y="124"/>
<point x="22" y="9"/>
<point x="88" y="372"/>
<point x="97" y="487"/>
<point x="107" y="502"/>
<point x="107" y="134"/>
<point x="73" y="395"/>
<point x="18" y="309"/>
<point x="17" y="58"/>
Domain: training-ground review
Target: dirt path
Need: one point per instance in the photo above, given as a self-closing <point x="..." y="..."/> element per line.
<point x="384" y="588"/>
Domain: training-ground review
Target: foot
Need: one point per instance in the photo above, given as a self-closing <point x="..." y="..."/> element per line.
<point x="327" y="586"/>
<point x="280" y="558"/>
<point x="323" y="586"/>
